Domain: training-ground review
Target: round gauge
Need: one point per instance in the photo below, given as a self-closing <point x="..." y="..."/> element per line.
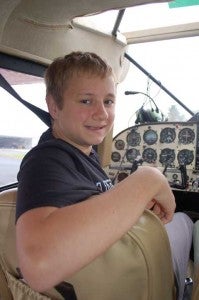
<point x="150" y="137"/>
<point x="131" y="154"/>
<point x="185" y="157"/>
<point x="149" y="155"/>
<point x="175" y="176"/>
<point x="121" y="176"/>
<point x="167" y="156"/>
<point x="119" y="144"/>
<point x="133" y="138"/>
<point x="115" y="156"/>
<point x="167" y="135"/>
<point x="186" y="136"/>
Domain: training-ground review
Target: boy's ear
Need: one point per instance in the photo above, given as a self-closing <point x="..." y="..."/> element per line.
<point x="52" y="106"/>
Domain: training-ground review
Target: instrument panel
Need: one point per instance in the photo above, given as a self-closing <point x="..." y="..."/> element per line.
<point x="172" y="147"/>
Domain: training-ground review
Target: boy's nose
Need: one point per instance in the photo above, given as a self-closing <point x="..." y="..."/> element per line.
<point x="100" y="112"/>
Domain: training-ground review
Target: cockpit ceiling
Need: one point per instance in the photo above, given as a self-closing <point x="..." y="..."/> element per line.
<point x="43" y="30"/>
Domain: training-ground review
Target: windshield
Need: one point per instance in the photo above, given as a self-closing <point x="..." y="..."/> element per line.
<point x="174" y="63"/>
<point x="145" y="17"/>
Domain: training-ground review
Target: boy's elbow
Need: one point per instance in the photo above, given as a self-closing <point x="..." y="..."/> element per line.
<point x="36" y="274"/>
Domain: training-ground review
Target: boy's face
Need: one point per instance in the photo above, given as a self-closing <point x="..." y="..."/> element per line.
<point x="88" y="111"/>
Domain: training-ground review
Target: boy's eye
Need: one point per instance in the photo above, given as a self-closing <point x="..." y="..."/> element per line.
<point x="85" y="101"/>
<point x="109" y="102"/>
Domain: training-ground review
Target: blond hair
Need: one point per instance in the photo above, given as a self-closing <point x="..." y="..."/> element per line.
<point x="62" y="69"/>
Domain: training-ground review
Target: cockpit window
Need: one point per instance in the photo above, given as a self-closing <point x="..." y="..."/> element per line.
<point x="19" y="127"/>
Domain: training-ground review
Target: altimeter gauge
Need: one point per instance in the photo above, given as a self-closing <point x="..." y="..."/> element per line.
<point x="133" y="138"/>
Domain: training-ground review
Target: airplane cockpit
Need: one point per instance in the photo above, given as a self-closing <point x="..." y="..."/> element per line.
<point x="32" y="35"/>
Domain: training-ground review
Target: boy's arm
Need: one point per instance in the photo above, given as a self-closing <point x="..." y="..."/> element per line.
<point x="54" y="243"/>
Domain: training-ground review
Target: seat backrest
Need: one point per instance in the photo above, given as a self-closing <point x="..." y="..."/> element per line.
<point x="195" y="293"/>
<point x="7" y="222"/>
<point x="14" y="288"/>
<point x="138" y="266"/>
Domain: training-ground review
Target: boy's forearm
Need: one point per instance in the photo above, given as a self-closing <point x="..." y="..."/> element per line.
<point x="71" y="234"/>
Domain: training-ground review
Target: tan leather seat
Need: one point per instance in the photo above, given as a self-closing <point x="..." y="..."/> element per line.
<point x="195" y="294"/>
<point x="137" y="267"/>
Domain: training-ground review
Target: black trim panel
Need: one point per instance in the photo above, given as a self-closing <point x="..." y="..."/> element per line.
<point x="21" y="65"/>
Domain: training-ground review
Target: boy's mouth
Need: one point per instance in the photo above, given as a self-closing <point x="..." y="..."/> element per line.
<point x="96" y="128"/>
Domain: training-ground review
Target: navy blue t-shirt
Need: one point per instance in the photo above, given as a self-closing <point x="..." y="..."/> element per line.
<point x="55" y="173"/>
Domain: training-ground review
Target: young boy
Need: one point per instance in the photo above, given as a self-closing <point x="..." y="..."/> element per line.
<point x="65" y="199"/>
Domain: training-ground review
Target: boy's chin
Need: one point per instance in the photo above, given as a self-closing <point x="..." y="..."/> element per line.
<point x="97" y="142"/>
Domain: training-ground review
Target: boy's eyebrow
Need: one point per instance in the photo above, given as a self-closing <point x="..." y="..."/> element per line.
<point x="111" y="95"/>
<point x="91" y="94"/>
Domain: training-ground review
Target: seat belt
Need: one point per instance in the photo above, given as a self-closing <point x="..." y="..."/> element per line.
<point x="43" y="115"/>
<point x="5" y="292"/>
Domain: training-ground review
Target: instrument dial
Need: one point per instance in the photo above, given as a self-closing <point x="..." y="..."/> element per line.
<point x="167" y="156"/>
<point x="121" y="176"/>
<point x="185" y="157"/>
<point x="133" y="138"/>
<point x="115" y="156"/>
<point x="150" y="137"/>
<point x="167" y="135"/>
<point x="132" y="154"/>
<point x="149" y="155"/>
<point x="186" y="136"/>
<point x="119" y="144"/>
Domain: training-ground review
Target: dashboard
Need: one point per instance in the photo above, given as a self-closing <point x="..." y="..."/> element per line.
<point x="172" y="147"/>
